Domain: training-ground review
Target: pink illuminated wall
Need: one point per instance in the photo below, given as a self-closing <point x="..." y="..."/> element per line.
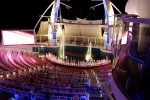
<point x="18" y="37"/>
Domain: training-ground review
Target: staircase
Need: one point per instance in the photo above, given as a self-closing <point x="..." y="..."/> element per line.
<point x="94" y="83"/>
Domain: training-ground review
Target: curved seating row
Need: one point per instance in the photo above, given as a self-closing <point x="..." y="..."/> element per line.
<point x="12" y="60"/>
<point x="26" y="72"/>
<point x="103" y="72"/>
<point x="55" y="82"/>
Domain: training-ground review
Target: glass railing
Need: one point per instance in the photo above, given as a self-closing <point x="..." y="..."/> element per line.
<point x="132" y="58"/>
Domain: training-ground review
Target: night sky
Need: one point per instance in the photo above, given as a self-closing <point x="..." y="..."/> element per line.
<point x="23" y="14"/>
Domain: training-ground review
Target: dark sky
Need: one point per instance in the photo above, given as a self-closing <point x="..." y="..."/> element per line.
<point x="23" y="14"/>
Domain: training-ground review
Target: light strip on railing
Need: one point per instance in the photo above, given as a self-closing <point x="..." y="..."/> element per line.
<point x="140" y="61"/>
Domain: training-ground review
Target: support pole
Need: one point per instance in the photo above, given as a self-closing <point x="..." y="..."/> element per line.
<point x="109" y="14"/>
<point x="43" y="15"/>
<point x="54" y="18"/>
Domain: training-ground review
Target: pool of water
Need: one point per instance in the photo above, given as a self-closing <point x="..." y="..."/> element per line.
<point x="78" y="53"/>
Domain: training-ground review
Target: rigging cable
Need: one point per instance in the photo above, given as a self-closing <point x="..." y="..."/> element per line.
<point x="91" y="13"/>
<point x="68" y="12"/>
<point x="72" y="13"/>
<point x="94" y="13"/>
<point x="88" y="15"/>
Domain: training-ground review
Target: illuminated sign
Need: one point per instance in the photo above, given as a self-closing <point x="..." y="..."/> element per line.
<point x="15" y="37"/>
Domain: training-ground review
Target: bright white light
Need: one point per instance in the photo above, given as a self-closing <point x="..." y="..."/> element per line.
<point x="1" y="76"/>
<point x="17" y="37"/>
<point x="7" y="75"/>
<point x="124" y="38"/>
<point x="88" y="56"/>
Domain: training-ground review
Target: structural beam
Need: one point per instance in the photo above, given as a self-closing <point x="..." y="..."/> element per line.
<point x="43" y="15"/>
<point x="109" y="19"/>
<point x="66" y="5"/>
<point x="93" y="7"/>
<point x="116" y="8"/>
<point x="80" y="24"/>
<point x="54" y="18"/>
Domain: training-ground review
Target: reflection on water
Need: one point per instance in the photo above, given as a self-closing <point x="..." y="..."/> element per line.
<point x="74" y="52"/>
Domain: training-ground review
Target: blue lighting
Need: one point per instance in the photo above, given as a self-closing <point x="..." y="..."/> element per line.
<point x="140" y="61"/>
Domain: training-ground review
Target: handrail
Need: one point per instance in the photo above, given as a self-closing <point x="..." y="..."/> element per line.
<point x="114" y="77"/>
<point x="135" y="20"/>
<point x="134" y="58"/>
<point x="121" y="70"/>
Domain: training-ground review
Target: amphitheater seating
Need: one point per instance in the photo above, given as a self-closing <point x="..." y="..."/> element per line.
<point x="4" y="60"/>
<point x="12" y="60"/>
<point x="25" y="72"/>
<point x="57" y="82"/>
<point x="16" y="58"/>
<point x="21" y="56"/>
<point x="102" y="72"/>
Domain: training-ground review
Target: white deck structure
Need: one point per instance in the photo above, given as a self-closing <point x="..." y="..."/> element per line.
<point x="79" y="31"/>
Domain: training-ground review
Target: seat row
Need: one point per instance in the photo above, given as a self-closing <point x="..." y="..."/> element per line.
<point x="25" y="72"/>
<point x="12" y="60"/>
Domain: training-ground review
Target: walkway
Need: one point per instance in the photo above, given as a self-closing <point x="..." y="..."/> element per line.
<point x="93" y="82"/>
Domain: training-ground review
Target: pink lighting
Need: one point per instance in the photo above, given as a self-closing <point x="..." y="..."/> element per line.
<point x="18" y="37"/>
<point x="54" y="59"/>
<point x="33" y="60"/>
